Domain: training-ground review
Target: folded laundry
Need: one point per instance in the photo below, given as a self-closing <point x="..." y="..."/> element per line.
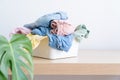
<point x="81" y="32"/>
<point x="60" y="27"/>
<point x="45" y="20"/>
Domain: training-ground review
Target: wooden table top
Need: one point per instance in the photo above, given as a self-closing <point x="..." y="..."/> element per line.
<point x="88" y="62"/>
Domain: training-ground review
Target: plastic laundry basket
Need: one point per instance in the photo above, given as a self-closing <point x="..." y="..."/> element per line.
<point x="45" y="51"/>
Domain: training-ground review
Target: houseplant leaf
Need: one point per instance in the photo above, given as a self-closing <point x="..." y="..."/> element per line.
<point x="16" y="55"/>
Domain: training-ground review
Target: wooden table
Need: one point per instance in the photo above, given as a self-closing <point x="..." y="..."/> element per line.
<point x="87" y="63"/>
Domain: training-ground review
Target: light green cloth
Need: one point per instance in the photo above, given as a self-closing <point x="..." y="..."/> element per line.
<point x="81" y="32"/>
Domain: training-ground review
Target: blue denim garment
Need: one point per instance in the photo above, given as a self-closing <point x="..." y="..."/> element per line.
<point x="55" y="41"/>
<point x="46" y="19"/>
<point x="42" y="31"/>
<point x="60" y="42"/>
<point x="30" y="26"/>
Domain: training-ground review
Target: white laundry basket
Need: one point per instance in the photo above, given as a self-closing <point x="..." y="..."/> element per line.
<point x="45" y="51"/>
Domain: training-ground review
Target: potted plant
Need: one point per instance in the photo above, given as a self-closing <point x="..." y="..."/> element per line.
<point x="16" y="58"/>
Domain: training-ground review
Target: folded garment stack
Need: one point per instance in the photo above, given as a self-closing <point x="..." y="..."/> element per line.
<point x="59" y="32"/>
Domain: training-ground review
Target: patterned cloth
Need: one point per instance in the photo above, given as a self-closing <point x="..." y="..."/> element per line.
<point x="81" y="32"/>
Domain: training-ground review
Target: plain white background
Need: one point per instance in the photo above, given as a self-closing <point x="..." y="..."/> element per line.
<point x="102" y="18"/>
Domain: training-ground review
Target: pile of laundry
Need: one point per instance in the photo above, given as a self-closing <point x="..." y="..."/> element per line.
<point x="55" y="27"/>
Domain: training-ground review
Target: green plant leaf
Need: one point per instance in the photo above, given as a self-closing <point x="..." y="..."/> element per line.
<point x="16" y="55"/>
<point x="2" y="77"/>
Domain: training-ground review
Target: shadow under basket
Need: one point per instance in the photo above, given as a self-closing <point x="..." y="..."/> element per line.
<point x="45" y="51"/>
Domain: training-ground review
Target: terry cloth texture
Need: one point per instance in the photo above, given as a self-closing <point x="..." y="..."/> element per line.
<point x="35" y="39"/>
<point x="81" y="32"/>
<point x="20" y="30"/>
<point x="60" y="27"/>
<point x="55" y="41"/>
<point x="42" y="27"/>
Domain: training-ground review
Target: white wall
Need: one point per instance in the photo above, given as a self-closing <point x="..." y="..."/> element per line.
<point x="102" y="17"/>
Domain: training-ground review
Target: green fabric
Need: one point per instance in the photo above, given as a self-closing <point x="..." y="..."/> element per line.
<point x="81" y="32"/>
